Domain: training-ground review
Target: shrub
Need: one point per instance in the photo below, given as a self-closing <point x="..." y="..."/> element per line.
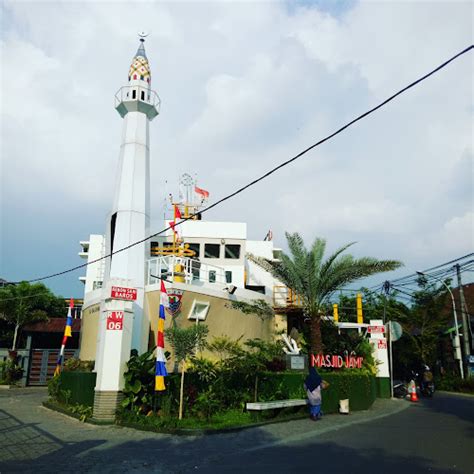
<point x="54" y="388"/>
<point x="83" y="411"/>
<point x="452" y="383"/>
<point x="77" y="365"/>
<point x="139" y="383"/>
<point x="10" y="372"/>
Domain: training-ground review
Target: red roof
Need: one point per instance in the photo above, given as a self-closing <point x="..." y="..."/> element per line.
<point x="53" y="325"/>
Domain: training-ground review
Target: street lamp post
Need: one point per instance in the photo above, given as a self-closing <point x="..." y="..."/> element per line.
<point x="457" y="344"/>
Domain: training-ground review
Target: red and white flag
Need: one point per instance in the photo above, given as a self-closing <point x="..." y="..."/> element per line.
<point x="202" y="192"/>
<point x="173" y="228"/>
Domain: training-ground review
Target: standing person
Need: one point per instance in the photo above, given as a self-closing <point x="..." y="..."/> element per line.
<point x="312" y="385"/>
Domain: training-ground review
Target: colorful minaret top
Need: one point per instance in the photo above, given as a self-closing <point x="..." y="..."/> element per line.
<point x="137" y="95"/>
<point x="140" y="69"/>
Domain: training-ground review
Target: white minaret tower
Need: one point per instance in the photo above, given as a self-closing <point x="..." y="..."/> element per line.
<point x="129" y="222"/>
<point x="130" y="219"/>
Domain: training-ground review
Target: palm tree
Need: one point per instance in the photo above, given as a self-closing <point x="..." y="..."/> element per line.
<point x="314" y="280"/>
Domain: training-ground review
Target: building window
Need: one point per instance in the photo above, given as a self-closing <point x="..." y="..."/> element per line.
<point x="196" y="272"/>
<point x="212" y="276"/>
<point x="134" y="94"/>
<point x="228" y="276"/>
<point x="96" y="285"/>
<point x="142" y="94"/>
<point x="211" y="250"/>
<point x="199" y="310"/>
<point x="134" y="77"/>
<point x="195" y="248"/>
<point x="232" y="251"/>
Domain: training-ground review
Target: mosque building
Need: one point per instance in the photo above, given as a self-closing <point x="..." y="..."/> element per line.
<point x="204" y="264"/>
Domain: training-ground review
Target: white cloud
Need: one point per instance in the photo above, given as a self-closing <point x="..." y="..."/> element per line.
<point x="244" y="86"/>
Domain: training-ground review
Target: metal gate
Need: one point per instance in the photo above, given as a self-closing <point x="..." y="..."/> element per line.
<point x="43" y="363"/>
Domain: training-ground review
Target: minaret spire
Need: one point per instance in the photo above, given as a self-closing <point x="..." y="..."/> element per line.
<point x="141" y="48"/>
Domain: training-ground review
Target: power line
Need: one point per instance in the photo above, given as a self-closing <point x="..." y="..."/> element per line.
<point x="434" y="268"/>
<point x="412" y="278"/>
<point x="273" y="170"/>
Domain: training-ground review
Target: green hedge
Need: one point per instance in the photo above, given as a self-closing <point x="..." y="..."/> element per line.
<point x="360" y="389"/>
<point x="80" y="385"/>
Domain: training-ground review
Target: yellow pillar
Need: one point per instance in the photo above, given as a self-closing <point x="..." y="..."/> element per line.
<point x="335" y="313"/>
<point x="179" y="273"/>
<point x="360" y="318"/>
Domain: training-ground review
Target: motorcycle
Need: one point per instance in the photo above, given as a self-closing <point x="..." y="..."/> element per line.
<point x="400" y="389"/>
<point x="427" y="389"/>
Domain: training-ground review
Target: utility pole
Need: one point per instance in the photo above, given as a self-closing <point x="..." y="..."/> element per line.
<point x="465" y="323"/>
<point x="386" y="290"/>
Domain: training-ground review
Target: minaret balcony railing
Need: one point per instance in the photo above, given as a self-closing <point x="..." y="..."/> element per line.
<point x="137" y="99"/>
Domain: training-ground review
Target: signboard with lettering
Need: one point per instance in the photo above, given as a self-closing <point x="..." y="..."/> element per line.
<point x="115" y="321"/>
<point x="376" y="329"/>
<point x="336" y="361"/>
<point x="382" y="344"/>
<point x="122" y="293"/>
<point x="297" y="362"/>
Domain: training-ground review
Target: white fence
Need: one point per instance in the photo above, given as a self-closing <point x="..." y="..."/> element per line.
<point x="193" y="271"/>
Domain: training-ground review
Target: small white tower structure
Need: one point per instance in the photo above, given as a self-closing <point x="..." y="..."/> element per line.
<point x="129" y="222"/>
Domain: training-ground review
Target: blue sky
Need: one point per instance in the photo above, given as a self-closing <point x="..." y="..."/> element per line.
<point x="244" y="86"/>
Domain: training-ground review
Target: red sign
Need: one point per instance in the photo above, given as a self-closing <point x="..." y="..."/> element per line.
<point x="336" y="361"/>
<point x="115" y="321"/>
<point x="122" y="293"/>
<point x="382" y="344"/>
<point x="376" y="329"/>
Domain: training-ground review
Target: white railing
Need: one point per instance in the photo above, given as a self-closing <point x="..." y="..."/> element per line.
<point x="193" y="271"/>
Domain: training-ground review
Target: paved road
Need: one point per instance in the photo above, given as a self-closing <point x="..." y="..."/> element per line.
<point x="433" y="436"/>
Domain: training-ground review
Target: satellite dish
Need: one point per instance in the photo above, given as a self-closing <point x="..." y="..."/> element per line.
<point x="143" y="34"/>
<point x="396" y="330"/>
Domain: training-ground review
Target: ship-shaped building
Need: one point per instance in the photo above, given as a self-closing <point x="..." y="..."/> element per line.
<point x="206" y="266"/>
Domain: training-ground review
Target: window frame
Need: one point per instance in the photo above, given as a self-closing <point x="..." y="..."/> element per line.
<point x="214" y="245"/>
<point x="199" y="317"/>
<point x="232" y="245"/>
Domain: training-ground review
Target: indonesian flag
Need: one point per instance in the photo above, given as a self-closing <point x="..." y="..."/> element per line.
<point x="202" y="192"/>
<point x="160" y="367"/>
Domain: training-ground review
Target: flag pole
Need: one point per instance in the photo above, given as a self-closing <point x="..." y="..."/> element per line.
<point x="67" y="333"/>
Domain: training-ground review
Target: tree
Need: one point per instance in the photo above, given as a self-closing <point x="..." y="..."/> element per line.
<point x="186" y="342"/>
<point x="424" y="322"/>
<point x="314" y="280"/>
<point x="25" y="303"/>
